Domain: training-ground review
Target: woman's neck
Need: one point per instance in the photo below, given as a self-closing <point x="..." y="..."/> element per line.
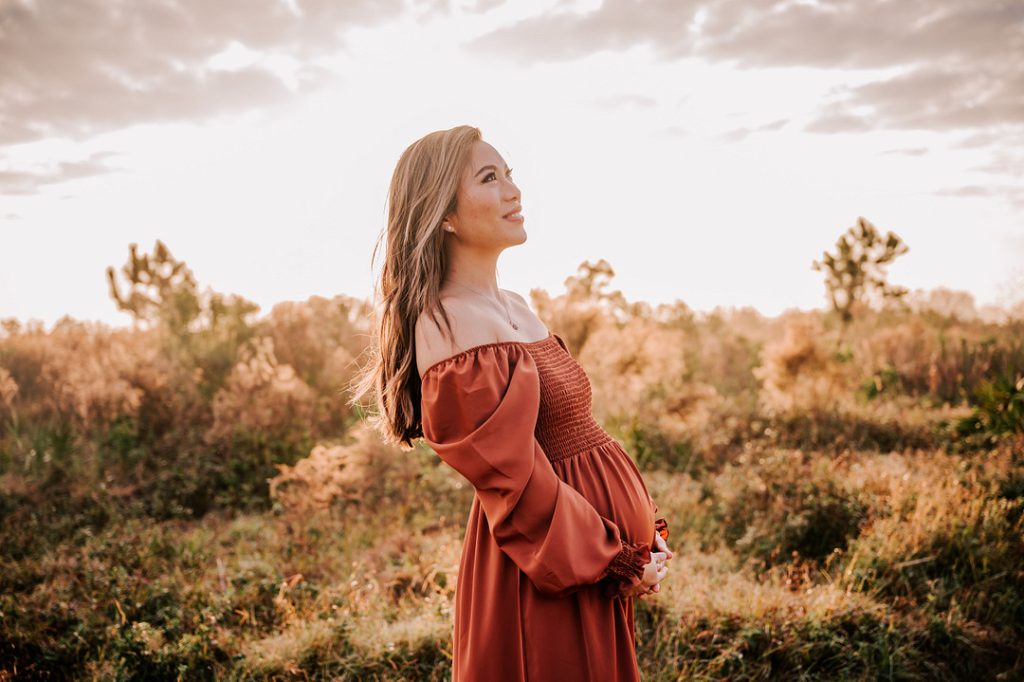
<point x="482" y="277"/>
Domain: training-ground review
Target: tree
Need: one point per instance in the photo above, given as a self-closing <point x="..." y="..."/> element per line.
<point x="198" y="330"/>
<point x="160" y="289"/>
<point x="855" y="273"/>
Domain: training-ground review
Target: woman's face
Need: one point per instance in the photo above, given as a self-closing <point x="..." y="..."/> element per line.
<point x="488" y="204"/>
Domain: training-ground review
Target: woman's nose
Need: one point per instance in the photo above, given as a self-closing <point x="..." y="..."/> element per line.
<point x="513" y="189"/>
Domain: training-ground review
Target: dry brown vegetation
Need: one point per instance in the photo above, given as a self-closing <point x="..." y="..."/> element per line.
<point x="192" y="499"/>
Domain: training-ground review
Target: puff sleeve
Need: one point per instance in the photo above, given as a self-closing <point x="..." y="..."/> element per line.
<point x="479" y="414"/>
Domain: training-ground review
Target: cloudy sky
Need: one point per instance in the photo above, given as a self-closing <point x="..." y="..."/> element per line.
<point x="710" y="150"/>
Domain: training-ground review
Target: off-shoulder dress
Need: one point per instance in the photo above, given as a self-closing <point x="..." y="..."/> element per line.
<point x="561" y="523"/>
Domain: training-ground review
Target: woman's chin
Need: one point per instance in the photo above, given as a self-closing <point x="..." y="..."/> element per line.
<point x="511" y="236"/>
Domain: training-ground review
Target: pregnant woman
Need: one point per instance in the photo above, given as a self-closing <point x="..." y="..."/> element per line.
<point x="562" y="534"/>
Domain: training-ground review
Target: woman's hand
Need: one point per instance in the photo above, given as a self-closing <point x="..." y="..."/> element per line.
<point x="655" y="571"/>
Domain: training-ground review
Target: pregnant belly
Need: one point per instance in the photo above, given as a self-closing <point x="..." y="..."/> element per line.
<point x="607" y="477"/>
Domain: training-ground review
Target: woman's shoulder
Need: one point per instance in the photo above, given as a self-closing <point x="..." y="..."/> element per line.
<point x="470" y="329"/>
<point x="475" y="326"/>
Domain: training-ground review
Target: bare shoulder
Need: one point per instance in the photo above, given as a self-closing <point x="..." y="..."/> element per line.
<point x="516" y="296"/>
<point x="431" y="342"/>
<point x="470" y="327"/>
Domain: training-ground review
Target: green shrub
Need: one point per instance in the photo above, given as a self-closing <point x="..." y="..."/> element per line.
<point x="785" y="503"/>
<point x="998" y="410"/>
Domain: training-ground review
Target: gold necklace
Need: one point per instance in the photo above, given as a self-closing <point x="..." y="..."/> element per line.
<point x="507" y="314"/>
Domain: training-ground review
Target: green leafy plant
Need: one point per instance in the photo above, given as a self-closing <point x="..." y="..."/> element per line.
<point x="998" y="409"/>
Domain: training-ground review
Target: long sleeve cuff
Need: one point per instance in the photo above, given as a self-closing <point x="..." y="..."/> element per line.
<point x="627" y="569"/>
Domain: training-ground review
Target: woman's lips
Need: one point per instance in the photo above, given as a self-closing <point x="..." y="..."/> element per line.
<point x="515" y="217"/>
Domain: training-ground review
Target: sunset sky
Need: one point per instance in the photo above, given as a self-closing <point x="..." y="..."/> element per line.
<point x="709" y="150"/>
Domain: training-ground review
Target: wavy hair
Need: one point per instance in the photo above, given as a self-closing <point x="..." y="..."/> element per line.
<point x="423" y="193"/>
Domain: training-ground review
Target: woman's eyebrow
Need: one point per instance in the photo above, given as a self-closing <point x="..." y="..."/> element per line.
<point x="488" y="167"/>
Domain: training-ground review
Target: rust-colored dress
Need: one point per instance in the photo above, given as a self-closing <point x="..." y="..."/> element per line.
<point x="561" y="523"/>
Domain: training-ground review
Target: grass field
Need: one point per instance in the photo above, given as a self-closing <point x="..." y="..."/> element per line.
<point x="844" y="503"/>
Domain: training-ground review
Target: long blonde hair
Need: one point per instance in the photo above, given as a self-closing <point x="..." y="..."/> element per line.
<point x="422" y="194"/>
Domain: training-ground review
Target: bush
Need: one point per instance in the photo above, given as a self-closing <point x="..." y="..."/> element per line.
<point x="784" y="502"/>
<point x="998" y="410"/>
<point x="366" y="473"/>
<point x="947" y="538"/>
<point x="800" y="373"/>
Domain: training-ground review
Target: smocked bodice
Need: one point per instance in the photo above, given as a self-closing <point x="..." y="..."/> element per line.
<point x="565" y="422"/>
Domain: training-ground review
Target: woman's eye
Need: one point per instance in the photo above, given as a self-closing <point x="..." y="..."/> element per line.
<point x="491" y="174"/>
